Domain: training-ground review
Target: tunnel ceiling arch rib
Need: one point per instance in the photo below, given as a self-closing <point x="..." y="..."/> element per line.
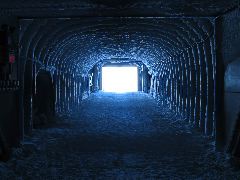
<point x="76" y="45"/>
<point x="63" y="8"/>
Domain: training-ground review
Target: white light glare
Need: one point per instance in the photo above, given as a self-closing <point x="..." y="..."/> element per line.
<point x="120" y="79"/>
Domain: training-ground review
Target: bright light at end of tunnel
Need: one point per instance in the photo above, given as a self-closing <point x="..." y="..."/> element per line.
<point x="120" y="79"/>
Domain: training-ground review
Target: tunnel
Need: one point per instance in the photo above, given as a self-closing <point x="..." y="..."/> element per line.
<point x="174" y="52"/>
<point x="186" y="56"/>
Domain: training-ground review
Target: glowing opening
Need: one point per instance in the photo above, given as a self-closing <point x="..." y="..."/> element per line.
<point x="120" y="79"/>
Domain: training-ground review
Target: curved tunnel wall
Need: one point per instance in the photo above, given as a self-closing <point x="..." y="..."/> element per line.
<point x="179" y="54"/>
<point x="187" y="85"/>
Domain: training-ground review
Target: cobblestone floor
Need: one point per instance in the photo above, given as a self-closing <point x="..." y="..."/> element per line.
<point x="118" y="136"/>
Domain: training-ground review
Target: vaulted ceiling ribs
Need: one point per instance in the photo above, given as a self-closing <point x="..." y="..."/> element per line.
<point x="77" y="44"/>
<point x="64" y="8"/>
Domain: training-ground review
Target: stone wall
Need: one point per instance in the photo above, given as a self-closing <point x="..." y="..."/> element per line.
<point x="11" y="127"/>
<point x="228" y="54"/>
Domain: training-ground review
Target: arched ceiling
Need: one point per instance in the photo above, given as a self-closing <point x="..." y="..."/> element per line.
<point x="74" y="35"/>
<point x="75" y="45"/>
<point x="66" y="8"/>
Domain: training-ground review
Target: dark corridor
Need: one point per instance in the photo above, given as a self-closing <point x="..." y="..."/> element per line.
<point x="44" y="99"/>
<point x="182" y="123"/>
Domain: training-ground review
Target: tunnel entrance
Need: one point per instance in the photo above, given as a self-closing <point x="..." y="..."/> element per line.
<point x="44" y="99"/>
<point x="120" y="79"/>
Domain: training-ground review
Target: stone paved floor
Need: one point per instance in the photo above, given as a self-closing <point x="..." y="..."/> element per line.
<point x="118" y="136"/>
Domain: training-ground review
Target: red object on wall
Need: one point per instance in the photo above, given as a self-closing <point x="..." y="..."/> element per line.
<point x="11" y="58"/>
